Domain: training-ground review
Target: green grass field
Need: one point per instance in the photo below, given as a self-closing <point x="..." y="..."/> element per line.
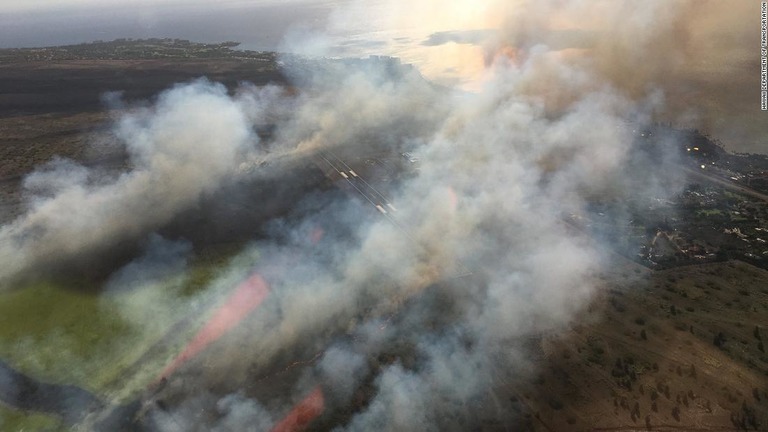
<point x="66" y="334"/>
<point x="15" y="421"/>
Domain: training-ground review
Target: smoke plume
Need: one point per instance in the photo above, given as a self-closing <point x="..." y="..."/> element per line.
<point x="389" y="307"/>
<point x="186" y="146"/>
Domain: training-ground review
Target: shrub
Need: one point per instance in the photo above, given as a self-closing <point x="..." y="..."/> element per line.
<point x="556" y="404"/>
<point x="719" y="340"/>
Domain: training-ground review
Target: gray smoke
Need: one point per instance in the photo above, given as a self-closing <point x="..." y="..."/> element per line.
<point x="186" y="146"/>
<point x="235" y="412"/>
<point x="500" y="171"/>
<point x="161" y="259"/>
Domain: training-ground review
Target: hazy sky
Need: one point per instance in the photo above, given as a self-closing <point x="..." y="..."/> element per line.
<point x="260" y="24"/>
<point x="703" y="54"/>
<point x="36" y="5"/>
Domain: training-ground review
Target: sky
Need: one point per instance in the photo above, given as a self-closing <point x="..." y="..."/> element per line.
<point x="36" y="5"/>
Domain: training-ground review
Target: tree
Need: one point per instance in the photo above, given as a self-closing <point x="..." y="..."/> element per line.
<point x="719" y="340"/>
<point x="676" y="413"/>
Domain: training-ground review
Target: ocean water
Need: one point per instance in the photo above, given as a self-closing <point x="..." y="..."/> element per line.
<point x="258" y="25"/>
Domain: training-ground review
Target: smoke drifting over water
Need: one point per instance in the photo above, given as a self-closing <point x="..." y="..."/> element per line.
<point x="700" y="53"/>
<point x="500" y="171"/>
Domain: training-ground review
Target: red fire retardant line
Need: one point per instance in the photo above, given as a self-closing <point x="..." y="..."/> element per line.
<point x="302" y="414"/>
<point x="244" y="299"/>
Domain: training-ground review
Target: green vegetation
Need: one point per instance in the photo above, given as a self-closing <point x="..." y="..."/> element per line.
<point x="734" y="196"/>
<point x="709" y="212"/>
<point x="135" y="49"/>
<point x="61" y="333"/>
<point x="11" y="420"/>
<point x="596" y="351"/>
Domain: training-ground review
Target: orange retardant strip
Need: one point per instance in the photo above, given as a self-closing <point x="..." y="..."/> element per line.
<point x="302" y="414"/>
<point x="245" y="298"/>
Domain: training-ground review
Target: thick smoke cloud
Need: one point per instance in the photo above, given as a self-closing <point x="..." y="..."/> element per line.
<point x="699" y="53"/>
<point x="186" y="146"/>
<point x="514" y="174"/>
<point x="161" y="259"/>
<point x="500" y="171"/>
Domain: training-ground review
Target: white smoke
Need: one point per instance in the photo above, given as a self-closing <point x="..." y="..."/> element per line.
<point x="500" y="170"/>
<point x="184" y="147"/>
<point x="498" y="175"/>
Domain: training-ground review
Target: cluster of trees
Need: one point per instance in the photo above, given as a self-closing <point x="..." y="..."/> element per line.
<point x="746" y="418"/>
